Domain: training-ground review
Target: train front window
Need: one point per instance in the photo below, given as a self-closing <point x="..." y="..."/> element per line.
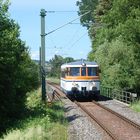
<point x="92" y="71"/>
<point x="75" y="71"/>
<point x="83" y="71"/>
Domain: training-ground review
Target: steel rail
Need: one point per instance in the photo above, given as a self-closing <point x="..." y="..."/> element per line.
<point x="98" y="122"/>
<point x="56" y="89"/>
<point x="114" y="137"/>
<point x="119" y="115"/>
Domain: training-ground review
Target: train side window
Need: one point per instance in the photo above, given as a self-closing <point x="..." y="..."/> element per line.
<point x="74" y="71"/>
<point x="83" y="71"/>
<point x="92" y="71"/>
<point x="64" y="73"/>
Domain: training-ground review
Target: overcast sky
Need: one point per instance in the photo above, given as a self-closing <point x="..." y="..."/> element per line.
<point x="70" y="41"/>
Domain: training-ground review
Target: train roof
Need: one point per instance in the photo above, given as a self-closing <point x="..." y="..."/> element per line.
<point x="80" y="64"/>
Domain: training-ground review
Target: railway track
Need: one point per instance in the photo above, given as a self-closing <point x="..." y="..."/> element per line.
<point x="56" y="91"/>
<point x="116" y="126"/>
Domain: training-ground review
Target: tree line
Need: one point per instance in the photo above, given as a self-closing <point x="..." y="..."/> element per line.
<point x="114" y="30"/>
<point x="55" y="65"/>
<point x="18" y="73"/>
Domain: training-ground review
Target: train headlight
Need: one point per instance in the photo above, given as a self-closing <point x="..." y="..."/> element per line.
<point x="75" y="85"/>
<point x="92" y="85"/>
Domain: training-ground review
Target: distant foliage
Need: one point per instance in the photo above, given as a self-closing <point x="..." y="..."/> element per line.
<point x="56" y="63"/>
<point x="18" y="74"/>
<point x="87" y="6"/>
<point x="115" y="36"/>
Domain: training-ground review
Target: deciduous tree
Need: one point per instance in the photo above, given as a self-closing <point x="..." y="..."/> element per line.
<point x="18" y="74"/>
<point x="116" y="42"/>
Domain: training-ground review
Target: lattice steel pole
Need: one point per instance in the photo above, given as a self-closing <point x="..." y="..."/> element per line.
<point x="43" y="71"/>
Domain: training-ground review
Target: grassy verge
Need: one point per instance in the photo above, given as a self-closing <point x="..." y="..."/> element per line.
<point x="136" y="106"/>
<point x="53" y="79"/>
<point x="41" y="121"/>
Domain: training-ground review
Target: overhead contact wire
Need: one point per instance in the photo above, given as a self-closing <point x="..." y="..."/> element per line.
<point x="66" y="24"/>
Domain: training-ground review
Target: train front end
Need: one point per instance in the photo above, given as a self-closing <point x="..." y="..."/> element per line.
<point x="80" y="78"/>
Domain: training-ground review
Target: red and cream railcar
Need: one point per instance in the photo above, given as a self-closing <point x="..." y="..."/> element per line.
<point x="80" y="78"/>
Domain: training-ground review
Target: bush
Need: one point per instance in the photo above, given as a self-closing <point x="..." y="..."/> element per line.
<point x="18" y="73"/>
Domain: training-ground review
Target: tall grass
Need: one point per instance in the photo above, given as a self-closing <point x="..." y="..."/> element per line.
<point x="53" y="79"/>
<point x="136" y="106"/>
<point x="41" y="121"/>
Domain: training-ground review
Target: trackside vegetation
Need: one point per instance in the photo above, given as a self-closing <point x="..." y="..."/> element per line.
<point x="18" y="73"/>
<point x="22" y="114"/>
<point x="55" y="65"/>
<point x="136" y="106"/>
<point x="114" y="29"/>
<point x="39" y="122"/>
<point x="53" y="79"/>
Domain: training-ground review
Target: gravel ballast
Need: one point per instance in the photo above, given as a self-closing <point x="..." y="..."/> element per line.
<point x="81" y="127"/>
<point x="122" y="109"/>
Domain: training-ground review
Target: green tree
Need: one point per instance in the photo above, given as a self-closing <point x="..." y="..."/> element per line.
<point x="18" y="74"/>
<point x="56" y="63"/>
<point x="68" y="59"/>
<point x="85" y="6"/>
<point x="116" y="42"/>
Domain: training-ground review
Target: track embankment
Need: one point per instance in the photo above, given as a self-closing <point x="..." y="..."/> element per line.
<point x="117" y="126"/>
